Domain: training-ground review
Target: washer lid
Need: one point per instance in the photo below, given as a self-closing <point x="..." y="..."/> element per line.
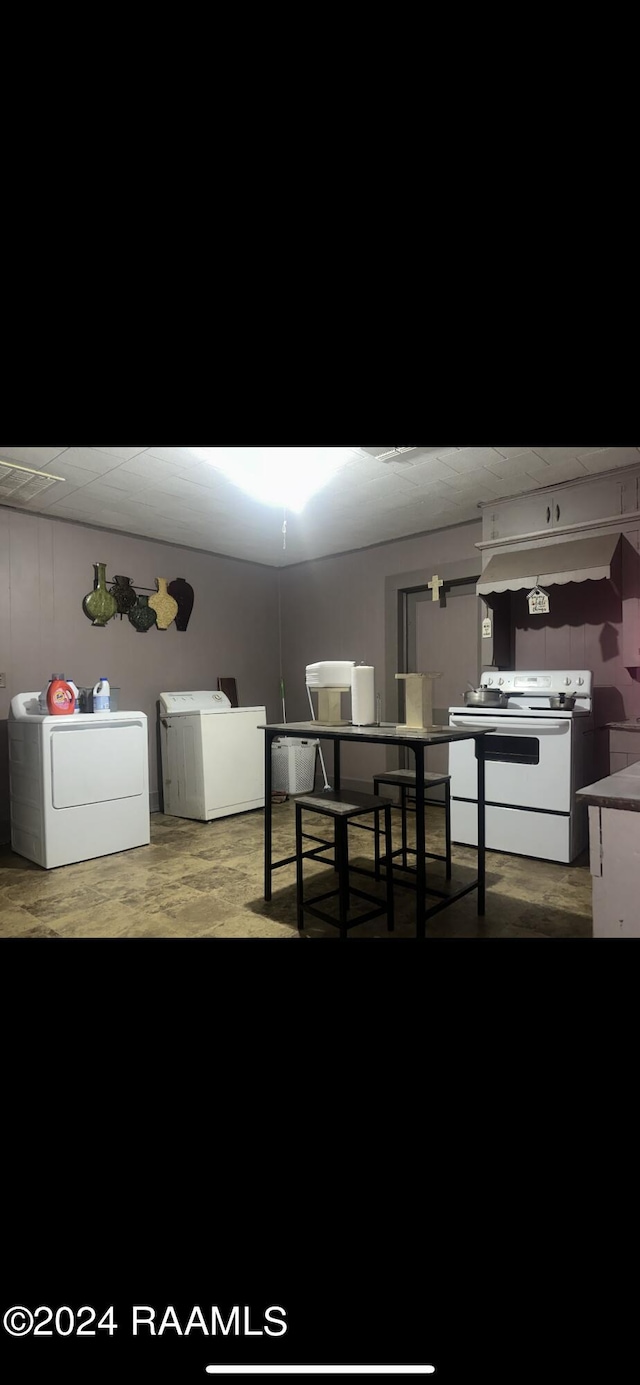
<point x="182" y="702"/>
<point x="26" y="707"/>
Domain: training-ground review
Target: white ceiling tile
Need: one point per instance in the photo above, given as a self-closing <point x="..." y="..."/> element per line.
<point x="387" y="487"/>
<point x="470" y="458"/>
<point x="88" y="459"/>
<point x="469" y="481"/>
<point x="149" y="467"/>
<point x="609" y="458"/>
<point x="37" y="457"/>
<point x="562" y="454"/>
<point x="517" y="485"/>
<point x="97" y="493"/>
<point x="511" y="451"/>
<point x="550" y="473"/>
<point x="125" y="453"/>
<point x="120" y="480"/>
<point x="74" y="479"/>
<point x="181" y="457"/>
<point x="195" y="495"/>
<point x="426" y="472"/>
<point x="505" y="467"/>
<point x="208" y="477"/>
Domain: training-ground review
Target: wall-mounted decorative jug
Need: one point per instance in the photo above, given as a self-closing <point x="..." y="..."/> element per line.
<point x="165" y="607"/>
<point x="141" y="615"/>
<point x="99" y="605"/>
<point x="124" y="594"/>
<point x="183" y="593"/>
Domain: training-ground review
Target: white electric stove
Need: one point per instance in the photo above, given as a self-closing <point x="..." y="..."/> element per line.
<point x="536" y="759"/>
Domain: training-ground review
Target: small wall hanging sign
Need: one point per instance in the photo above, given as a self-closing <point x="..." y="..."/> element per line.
<point x="182" y="592"/>
<point x="538" y="602"/>
<point x="164" y="605"/>
<point x="486" y="628"/>
<point x="99" y="605"/>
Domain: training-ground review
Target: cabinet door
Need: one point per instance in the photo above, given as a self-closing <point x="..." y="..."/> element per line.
<point x="630" y="494"/>
<point x="584" y="502"/>
<point x="528" y="515"/>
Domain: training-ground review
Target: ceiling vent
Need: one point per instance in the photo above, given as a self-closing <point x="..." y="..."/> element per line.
<point x="394" y="454"/>
<point x="21" y="483"/>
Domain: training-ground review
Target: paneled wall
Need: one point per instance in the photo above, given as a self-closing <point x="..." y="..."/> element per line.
<point x="46" y="568"/>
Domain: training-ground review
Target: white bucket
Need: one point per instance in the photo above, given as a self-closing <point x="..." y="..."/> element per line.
<point x="293" y="765"/>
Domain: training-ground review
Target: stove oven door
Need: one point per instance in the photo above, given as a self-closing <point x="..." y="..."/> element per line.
<point x="528" y="762"/>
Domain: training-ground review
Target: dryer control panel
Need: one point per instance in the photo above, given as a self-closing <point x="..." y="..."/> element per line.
<point x="194" y="702"/>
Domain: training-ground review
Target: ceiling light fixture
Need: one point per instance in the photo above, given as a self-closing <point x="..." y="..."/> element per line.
<point x="286" y="477"/>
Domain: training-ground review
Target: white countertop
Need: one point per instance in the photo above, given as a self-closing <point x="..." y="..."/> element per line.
<point x="620" y="790"/>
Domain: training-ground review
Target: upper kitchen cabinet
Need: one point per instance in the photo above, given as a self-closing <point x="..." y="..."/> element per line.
<point x="576" y="503"/>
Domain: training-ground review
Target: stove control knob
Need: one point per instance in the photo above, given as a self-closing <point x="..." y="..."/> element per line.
<point x="489" y="682"/>
<point x="580" y="681"/>
<point x="500" y="681"/>
<point x="567" y="681"/>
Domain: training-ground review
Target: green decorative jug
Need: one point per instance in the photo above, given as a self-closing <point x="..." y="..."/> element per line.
<point x="99" y="605"/>
<point x="141" y="615"/>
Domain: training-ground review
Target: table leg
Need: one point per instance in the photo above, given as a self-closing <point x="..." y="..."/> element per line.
<point x="268" y="737"/>
<point x="418" y="751"/>
<point x="299" y="879"/>
<point x="336" y="765"/>
<point x="481" y="823"/>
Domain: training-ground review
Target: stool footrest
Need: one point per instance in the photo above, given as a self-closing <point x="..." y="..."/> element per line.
<point x="335" y="923"/>
<point x="343" y="808"/>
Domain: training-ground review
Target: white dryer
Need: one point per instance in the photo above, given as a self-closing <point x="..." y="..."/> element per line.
<point x="212" y="755"/>
<point x="79" y="784"/>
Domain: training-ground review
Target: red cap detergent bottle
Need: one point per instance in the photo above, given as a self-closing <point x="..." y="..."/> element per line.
<point x="60" y="698"/>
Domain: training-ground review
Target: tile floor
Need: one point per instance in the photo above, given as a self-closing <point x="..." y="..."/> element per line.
<point x="205" y="880"/>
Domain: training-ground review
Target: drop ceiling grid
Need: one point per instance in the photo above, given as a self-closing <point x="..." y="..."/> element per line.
<point x="167" y="493"/>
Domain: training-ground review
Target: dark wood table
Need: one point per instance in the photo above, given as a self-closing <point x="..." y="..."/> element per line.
<point x="414" y="740"/>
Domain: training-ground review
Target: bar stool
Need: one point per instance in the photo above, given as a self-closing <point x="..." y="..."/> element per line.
<point x="342" y="805"/>
<point x="406" y="779"/>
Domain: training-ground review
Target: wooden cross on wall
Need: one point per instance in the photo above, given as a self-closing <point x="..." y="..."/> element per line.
<point x="434" y="586"/>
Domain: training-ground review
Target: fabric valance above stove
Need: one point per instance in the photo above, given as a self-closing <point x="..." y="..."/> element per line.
<point x="575" y="560"/>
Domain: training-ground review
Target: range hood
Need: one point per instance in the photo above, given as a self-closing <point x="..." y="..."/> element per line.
<point x="574" y="560"/>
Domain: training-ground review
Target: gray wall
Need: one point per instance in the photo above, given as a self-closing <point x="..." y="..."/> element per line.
<point x="46" y="568"/>
<point x="339" y="608"/>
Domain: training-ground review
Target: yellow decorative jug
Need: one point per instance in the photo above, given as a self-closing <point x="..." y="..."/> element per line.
<point x="164" y="605"/>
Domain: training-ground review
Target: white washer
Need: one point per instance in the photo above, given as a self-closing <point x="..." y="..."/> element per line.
<point x="212" y="755"/>
<point x="79" y="784"/>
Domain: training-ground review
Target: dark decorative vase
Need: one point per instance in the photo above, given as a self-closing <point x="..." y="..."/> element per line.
<point x="141" y="615"/>
<point x="124" y="594"/>
<point x="182" y="592"/>
<point x="99" y="605"/>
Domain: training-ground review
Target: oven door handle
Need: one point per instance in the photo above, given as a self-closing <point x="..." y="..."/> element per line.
<point x="512" y="725"/>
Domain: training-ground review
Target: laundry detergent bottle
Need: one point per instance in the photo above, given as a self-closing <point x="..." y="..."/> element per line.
<point x="60" y="698"/>
<point x="101" y="695"/>
<point x="42" y="700"/>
